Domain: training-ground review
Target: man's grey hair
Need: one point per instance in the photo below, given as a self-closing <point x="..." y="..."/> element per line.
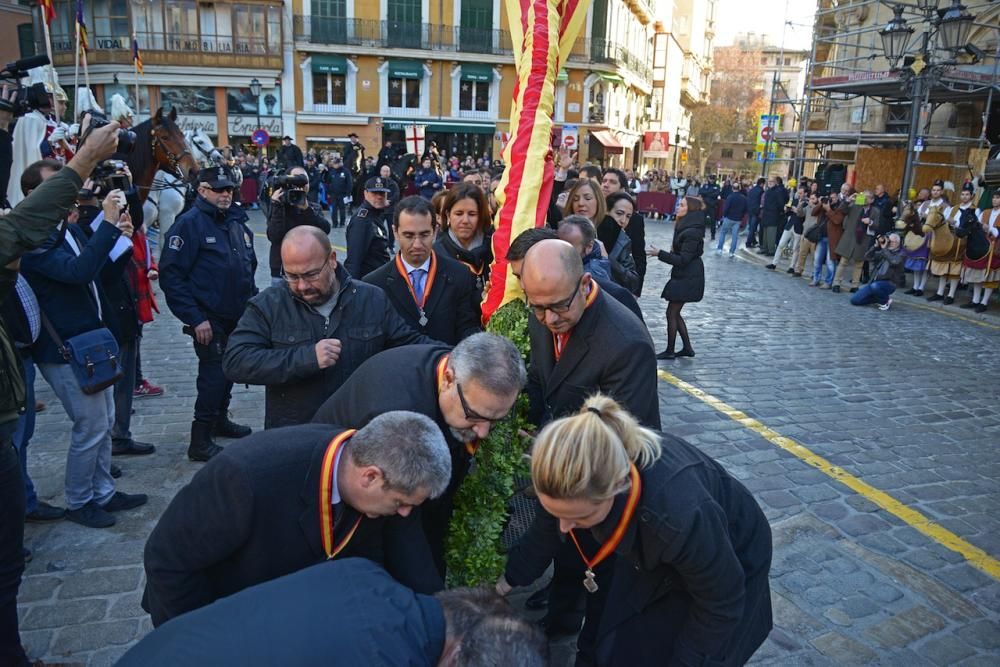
<point x="408" y="448"/>
<point x="585" y="226"/>
<point x="491" y="361"/>
<point x="488" y="632"/>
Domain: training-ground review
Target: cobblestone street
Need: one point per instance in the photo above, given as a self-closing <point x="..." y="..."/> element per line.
<point x="869" y="438"/>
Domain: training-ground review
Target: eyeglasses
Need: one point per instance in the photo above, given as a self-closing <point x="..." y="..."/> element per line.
<point x="558" y="307"/>
<point x="470" y="414"/>
<point x="226" y="188"/>
<point x="308" y="277"/>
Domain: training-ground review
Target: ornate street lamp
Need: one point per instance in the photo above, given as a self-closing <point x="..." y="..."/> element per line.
<point x="895" y="37"/>
<point x="255" y="89"/>
<point x="955" y="26"/>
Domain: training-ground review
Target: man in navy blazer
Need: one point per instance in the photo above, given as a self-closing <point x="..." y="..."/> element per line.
<point x="344" y="612"/>
<point x="64" y="274"/>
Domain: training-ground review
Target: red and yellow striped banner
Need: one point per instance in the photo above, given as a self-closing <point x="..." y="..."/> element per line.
<point x="543" y="33"/>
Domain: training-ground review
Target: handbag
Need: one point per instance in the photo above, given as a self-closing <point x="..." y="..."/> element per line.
<point x="93" y="356"/>
<point x="815" y="232"/>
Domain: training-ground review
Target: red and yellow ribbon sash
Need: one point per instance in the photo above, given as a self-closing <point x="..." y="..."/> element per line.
<point x="609" y="547"/>
<point x="427" y="285"/>
<point x="326" y="482"/>
<point x="470" y="447"/>
<point x="543" y="33"/>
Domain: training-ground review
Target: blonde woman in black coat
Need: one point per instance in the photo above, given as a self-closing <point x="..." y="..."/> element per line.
<point x="687" y="279"/>
<point x="690" y="582"/>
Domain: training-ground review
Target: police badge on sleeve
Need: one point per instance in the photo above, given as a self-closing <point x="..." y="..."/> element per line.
<point x="175" y="243"/>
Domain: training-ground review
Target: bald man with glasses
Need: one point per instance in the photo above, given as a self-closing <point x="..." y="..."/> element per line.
<point x="303" y="338"/>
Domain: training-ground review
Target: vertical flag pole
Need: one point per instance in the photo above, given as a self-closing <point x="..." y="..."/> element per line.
<point x="135" y="69"/>
<point x="48" y="50"/>
<point x="76" y="70"/>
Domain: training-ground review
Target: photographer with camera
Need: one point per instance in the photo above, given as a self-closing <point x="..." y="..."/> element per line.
<point x="207" y="274"/>
<point x="886" y="258"/>
<point x="290" y="208"/>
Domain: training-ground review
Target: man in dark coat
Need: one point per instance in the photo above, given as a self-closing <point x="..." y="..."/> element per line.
<point x="303" y="338"/>
<point x="465" y="391"/>
<point x="772" y="214"/>
<point x="311" y="617"/>
<point x="207" y="271"/>
<point x="289" y="155"/>
<point x="289" y="210"/>
<point x="582" y="341"/>
<point x="436" y="295"/>
<point x="367" y="235"/>
<point x="284" y="500"/>
<point x="710" y="193"/>
<point x="754" y="196"/>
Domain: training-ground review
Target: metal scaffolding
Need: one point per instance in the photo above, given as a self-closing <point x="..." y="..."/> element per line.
<point x="847" y="62"/>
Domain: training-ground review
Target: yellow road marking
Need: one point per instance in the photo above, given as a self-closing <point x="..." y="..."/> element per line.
<point x="974" y="555"/>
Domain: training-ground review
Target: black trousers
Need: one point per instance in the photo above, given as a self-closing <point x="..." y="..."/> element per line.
<point x="215" y="390"/>
<point x="11" y="546"/>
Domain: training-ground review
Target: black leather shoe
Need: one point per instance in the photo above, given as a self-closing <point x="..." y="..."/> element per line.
<point x="539" y="599"/>
<point x="790" y="271"/>
<point x="116" y="472"/>
<point x="131" y="448"/>
<point x="772" y="267"/>
<point x="44" y="513"/>
<point x="226" y="428"/>
<point x="918" y="292"/>
<point x="948" y="300"/>
<point x="981" y="307"/>
<point x="687" y="352"/>
<point x="666" y="354"/>
<point x="202" y="446"/>
<point x="910" y="291"/>
<point x="853" y="290"/>
<point x="969" y="306"/>
<point x="91" y="516"/>
<point x="935" y="297"/>
<point x="836" y="289"/>
<point x="125" y="501"/>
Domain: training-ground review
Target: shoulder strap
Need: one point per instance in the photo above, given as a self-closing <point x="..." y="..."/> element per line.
<point x="53" y="334"/>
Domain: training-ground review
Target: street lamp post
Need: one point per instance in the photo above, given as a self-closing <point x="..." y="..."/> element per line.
<point x="677" y="149"/>
<point x="950" y="30"/>
<point x="255" y="89"/>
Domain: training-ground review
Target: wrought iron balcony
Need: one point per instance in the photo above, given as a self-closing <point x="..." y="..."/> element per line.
<point x="432" y="37"/>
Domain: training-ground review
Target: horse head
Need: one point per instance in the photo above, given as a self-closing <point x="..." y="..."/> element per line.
<point x="202" y="146"/>
<point x="170" y="149"/>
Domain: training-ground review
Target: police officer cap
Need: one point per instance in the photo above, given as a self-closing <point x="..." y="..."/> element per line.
<point x="377" y="184"/>
<point x="215" y="177"/>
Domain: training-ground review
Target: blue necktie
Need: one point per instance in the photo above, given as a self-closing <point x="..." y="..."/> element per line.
<point x="417" y="279"/>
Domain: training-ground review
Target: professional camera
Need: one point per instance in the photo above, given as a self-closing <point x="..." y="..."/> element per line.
<point x="107" y="176"/>
<point x="27" y="98"/>
<point x="824" y="200"/>
<point x="126" y="138"/>
<point x="292" y="186"/>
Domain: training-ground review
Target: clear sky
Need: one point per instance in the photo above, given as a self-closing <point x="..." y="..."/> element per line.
<point x="765" y="16"/>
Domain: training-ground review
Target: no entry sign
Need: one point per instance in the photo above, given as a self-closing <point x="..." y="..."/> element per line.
<point x="260" y="137"/>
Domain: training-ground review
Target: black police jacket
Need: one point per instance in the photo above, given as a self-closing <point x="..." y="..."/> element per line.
<point x="207" y="264"/>
<point x="368" y="241"/>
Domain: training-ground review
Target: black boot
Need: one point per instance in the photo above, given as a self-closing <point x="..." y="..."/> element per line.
<point x="227" y="428"/>
<point x="202" y="447"/>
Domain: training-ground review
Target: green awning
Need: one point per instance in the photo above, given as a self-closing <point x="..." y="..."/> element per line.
<point x="477" y="72"/>
<point x="406" y="69"/>
<point x="563" y="75"/>
<point x="329" y="64"/>
<point x="611" y="78"/>
<point x="447" y="128"/>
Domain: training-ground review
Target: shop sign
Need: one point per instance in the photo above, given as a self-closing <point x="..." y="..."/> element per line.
<point x="243" y="126"/>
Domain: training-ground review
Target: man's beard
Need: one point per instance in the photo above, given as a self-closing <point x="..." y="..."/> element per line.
<point x="463" y="434"/>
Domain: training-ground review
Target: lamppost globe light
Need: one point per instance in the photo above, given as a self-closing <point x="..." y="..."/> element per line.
<point x="895" y="37"/>
<point x="927" y="5"/>
<point x="955" y="26"/>
<point x="255" y="87"/>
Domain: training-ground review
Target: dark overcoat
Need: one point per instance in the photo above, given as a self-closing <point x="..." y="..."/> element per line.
<point x="452" y="306"/>
<point x="252" y="514"/>
<point x="690" y="585"/>
<point x="687" y="279"/>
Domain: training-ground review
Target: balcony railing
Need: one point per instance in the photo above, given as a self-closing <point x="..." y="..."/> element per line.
<point x="178" y="43"/>
<point x="431" y="37"/>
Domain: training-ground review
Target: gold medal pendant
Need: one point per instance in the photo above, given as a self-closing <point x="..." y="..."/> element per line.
<point x="589" y="582"/>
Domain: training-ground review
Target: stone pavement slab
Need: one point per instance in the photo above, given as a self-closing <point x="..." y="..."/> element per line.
<point x="904" y="400"/>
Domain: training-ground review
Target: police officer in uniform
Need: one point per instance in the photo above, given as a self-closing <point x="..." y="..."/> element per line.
<point x="207" y="274"/>
<point x="368" y="240"/>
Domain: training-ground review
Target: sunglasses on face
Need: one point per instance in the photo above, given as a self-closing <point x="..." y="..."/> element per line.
<point x="225" y="188"/>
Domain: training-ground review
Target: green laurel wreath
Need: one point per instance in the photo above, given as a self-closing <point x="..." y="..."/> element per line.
<point x="474" y="553"/>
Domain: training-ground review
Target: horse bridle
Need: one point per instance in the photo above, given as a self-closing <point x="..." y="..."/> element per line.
<point x="173" y="158"/>
<point x="207" y="155"/>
